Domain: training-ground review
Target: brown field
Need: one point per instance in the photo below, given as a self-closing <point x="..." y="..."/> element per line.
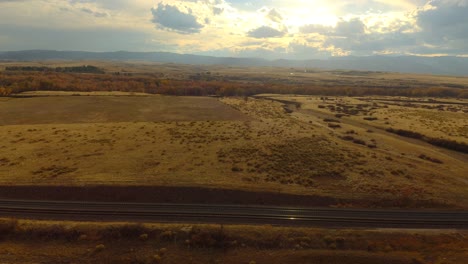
<point x="71" y="242"/>
<point x="111" y="109"/>
<point x="245" y="144"/>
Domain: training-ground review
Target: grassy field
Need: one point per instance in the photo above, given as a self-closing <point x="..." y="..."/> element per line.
<point x="70" y="242"/>
<point x="228" y="143"/>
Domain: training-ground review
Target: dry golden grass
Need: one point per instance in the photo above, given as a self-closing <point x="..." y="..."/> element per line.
<point x="231" y="143"/>
<point x="70" y="242"/>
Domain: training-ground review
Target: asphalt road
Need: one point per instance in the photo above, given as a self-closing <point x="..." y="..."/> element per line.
<point x="232" y="214"/>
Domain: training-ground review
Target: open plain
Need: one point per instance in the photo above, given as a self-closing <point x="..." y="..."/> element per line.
<point x="252" y="144"/>
<point x="175" y="134"/>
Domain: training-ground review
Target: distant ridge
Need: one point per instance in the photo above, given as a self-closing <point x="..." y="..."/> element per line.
<point x="406" y="64"/>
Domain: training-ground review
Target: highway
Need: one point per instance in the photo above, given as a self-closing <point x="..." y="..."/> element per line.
<point x="233" y="214"/>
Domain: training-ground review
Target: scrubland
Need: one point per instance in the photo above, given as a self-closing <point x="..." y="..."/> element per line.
<point x="24" y="241"/>
<point x="249" y="144"/>
<point x="146" y="132"/>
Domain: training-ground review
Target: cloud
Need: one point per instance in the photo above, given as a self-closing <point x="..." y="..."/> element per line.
<point x="94" y="13"/>
<point x="444" y="20"/>
<point x="315" y="28"/>
<point x="275" y="16"/>
<point x="266" y="32"/>
<point x="299" y="51"/>
<point x="218" y="10"/>
<point x="274" y="28"/>
<point x="352" y="27"/>
<point x="375" y="43"/>
<point x="354" y="37"/>
<point x="349" y="28"/>
<point x="171" y="18"/>
<point x="95" y="39"/>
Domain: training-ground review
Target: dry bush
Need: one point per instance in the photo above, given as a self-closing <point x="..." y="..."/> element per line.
<point x="210" y="239"/>
<point x="433" y="160"/>
<point x="359" y="141"/>
<point x="50" y="232"/>
<point x="333" y="125"/>
<point x="405" y="133"/>
<point x="5" y="91"/>
<point x="439" y="142"/>
<point x="128" y="231"/>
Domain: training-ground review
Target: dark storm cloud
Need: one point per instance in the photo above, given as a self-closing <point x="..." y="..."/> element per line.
<point x="171" y="18"/>
<point x="265" y="32"/>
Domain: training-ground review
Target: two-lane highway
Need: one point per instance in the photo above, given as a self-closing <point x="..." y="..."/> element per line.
<point x="232" y="214"/>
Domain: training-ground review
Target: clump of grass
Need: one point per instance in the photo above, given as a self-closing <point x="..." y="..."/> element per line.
<point x="99" y="248"/>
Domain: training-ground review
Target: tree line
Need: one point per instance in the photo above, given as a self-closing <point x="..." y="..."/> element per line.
<point x="74" y="69"/>
<point x="12" y="82"/>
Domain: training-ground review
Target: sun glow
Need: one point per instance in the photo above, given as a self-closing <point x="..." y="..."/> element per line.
<point x="298" y="17"/>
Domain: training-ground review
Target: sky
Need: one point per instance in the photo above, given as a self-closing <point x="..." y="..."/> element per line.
<point x="272" y="29"/>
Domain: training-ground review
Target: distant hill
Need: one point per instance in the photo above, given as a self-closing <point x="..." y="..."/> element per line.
<point x="407" y="64"/>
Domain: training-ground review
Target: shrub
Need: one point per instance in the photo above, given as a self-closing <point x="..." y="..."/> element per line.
<point x="434" y="160"/>
<point x="5" y="91"/>
<point x="162" y="251"/>
<point x="143" y="237"/>
<point x="99" y="248"/>
<point x="448" y="144"/>
<point x="157" y="259"/>
<point x="334" y="125"/>
<point x="347" y="138"/>
<point x="167" y="235"/>
<point x="405" y="133"/>
<point x="329" y="120"/>
<point x="210" y="239"/>
<point x="359" y="141"/>
<point x="439" y="142"/>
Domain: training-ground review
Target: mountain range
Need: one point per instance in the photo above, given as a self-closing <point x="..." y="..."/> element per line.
<point x="445" y="65"/>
